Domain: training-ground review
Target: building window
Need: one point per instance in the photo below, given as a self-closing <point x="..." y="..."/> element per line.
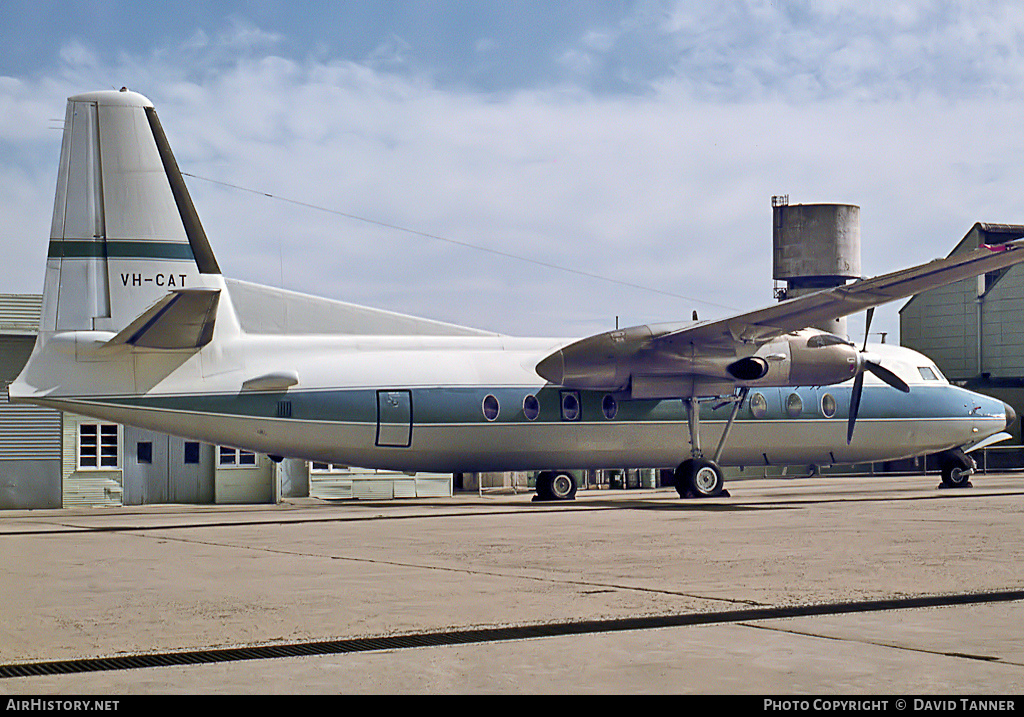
<point x="318" y="467"/>
<point x="144" y="451"/>
<point x="191" y="453"/>
<point x="97" y="445"/>
<point x="237" y="457"/>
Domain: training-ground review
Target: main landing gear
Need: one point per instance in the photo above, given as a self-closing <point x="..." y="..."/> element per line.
<point x="698" y="477"/>
<point x="555" y="485"/>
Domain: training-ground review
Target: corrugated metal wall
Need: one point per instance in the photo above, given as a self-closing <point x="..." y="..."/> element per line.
<point x="19" y="313"/>
<point x="1002" y="330"/>
<point x="28" y="432"/>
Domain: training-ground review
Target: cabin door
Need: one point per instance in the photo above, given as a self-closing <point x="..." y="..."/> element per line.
<point x="394" y="418"/>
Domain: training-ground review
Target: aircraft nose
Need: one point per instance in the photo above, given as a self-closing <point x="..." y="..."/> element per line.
<point x="1011" y="415"/>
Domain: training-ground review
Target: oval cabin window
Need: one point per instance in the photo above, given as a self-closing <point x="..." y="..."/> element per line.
<point x="491" y="408"/>
<point x="610" y="407"/>
<point x="531" y="407"/>
<point x="794" y="405"/>
<point x="570" y="406"/>
<point x="758" y="406"/>
<point x="828" y="405"/>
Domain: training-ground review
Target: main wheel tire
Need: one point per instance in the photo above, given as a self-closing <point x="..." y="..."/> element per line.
<point x="698" y="478"/>
<point x="544" y="485"/>
<point x="563" y="486"/>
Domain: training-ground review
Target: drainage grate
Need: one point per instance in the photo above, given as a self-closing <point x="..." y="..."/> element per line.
<point x="500" y="634"/>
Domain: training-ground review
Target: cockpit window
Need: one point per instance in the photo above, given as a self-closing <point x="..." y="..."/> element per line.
<point x="927" y="373"/>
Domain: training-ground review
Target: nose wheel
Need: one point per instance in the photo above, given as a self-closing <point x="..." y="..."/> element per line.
<point x="957" y="468"/>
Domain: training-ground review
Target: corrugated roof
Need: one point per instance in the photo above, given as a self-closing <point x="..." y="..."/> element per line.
<point x="1015" y="229"/>
<point x="20" y="313"/>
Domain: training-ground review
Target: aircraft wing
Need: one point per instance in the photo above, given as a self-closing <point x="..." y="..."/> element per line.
<point x="609" y="361"/>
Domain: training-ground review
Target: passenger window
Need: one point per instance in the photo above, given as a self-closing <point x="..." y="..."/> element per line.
<point x="531" y="407"/>
<point x="570" y="406"/>
<point x="794" y="405"/>
<point x="610" y="407"/>
<point x="491" y="408"/>
<point x="828" y="405"/>
<point x="758" y="406"/>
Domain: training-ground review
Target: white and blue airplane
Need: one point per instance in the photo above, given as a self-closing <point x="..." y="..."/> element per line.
<point x="140" y="327"/>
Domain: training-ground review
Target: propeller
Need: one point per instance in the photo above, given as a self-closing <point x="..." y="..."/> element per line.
<point x="868" y="362"/>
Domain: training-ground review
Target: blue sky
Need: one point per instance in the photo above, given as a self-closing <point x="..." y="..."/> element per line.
<point x="640" y="141"/>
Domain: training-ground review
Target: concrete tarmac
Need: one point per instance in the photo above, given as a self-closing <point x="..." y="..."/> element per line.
<point x="850" y="554"/>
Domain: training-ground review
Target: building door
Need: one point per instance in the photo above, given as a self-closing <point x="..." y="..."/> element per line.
<point x="190" y="467"/>
<point x="144" y="467"/>
<point x="394" y="418"/>
<point x="164" y="469"/>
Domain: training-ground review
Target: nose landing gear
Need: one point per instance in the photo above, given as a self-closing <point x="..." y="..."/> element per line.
<point x="957" y="468"/>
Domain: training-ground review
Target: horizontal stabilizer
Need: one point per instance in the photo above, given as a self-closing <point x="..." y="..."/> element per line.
<point x="183" y="319"/>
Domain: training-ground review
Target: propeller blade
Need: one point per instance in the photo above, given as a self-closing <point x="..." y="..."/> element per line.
<point x="888" y="376"/>
<point x="867" y="327"/>
<point x="858" y="388"/>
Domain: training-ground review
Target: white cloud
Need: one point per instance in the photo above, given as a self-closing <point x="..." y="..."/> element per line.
<point x="668" y="188"/>
<point x="744" y="49"/>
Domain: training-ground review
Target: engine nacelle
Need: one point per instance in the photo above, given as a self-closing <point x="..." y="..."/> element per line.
<point x="751" y="368"/>
<point x="820" y="359"/>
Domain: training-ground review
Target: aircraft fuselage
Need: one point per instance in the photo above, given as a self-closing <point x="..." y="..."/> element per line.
<point x="450" y="404"/>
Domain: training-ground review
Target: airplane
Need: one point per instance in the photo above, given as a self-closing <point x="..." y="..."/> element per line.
<point x="139" y="326"/>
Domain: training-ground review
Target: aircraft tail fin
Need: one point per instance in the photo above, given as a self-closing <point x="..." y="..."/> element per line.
<point x="124" y="231"/>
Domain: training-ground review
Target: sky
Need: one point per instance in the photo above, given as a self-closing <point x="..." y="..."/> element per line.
<point x="535" y="167"/>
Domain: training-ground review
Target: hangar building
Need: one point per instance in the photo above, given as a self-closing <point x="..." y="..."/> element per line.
<point x="972" y="329"/>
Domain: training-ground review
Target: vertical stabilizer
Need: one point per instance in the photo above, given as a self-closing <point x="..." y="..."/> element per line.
<point x="124" y="230"/>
